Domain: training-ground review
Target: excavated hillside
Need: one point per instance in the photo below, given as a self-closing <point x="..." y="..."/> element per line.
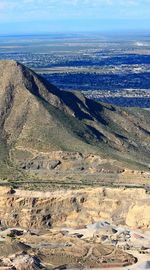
<point x="94" y="228"/>
<point x="37" y="119"/>
<point x="39" y="210"/>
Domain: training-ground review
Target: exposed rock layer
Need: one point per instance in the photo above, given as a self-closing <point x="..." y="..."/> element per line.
<point x="28" y="209"/>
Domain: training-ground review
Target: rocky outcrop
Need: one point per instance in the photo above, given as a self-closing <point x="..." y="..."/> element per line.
<point x="70" y="161"/>
<point x="138" y="216"/>
<point x="29" y="209"/>
<point x="20" y="262"/>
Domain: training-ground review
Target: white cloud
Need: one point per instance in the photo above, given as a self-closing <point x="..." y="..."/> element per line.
<point x="22" y="9"/>
<point x="2" y="5"/>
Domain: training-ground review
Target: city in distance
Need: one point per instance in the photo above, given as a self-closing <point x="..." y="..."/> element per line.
<point x="113" y="68"/>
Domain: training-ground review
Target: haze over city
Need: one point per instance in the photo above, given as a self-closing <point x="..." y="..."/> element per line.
<point x="45" y="16"/>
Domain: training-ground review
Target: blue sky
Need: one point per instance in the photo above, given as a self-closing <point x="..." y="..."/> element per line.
<point x="41" y="16"/>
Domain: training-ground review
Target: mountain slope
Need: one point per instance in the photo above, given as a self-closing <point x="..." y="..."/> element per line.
<point x="37" y="118"/>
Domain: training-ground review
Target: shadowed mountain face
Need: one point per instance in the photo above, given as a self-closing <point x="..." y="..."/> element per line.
<point x="36" y="117"/>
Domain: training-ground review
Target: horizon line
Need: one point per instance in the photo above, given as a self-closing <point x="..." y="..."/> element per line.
<point x="114" y="31"/>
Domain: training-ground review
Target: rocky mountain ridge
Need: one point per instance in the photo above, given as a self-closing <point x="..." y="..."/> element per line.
<point x="38" y="119"/>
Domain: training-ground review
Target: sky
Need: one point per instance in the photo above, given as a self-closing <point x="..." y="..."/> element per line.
<point x="45" y="16"/>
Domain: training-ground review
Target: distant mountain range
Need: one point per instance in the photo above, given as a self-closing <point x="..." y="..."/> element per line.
<point x="38" y="119"/>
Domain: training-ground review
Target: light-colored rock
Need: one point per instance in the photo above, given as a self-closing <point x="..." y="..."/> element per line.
<point x="5" y="190"/>
<point x="29" y="209"/>
<point x="139" y="216"/>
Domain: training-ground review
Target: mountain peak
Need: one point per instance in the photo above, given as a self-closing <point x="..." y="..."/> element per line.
<point x="18" y="78"/>
<point x="36" y="117"/>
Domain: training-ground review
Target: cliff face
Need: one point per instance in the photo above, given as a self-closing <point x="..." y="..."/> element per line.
<point x="28" y="209"/>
